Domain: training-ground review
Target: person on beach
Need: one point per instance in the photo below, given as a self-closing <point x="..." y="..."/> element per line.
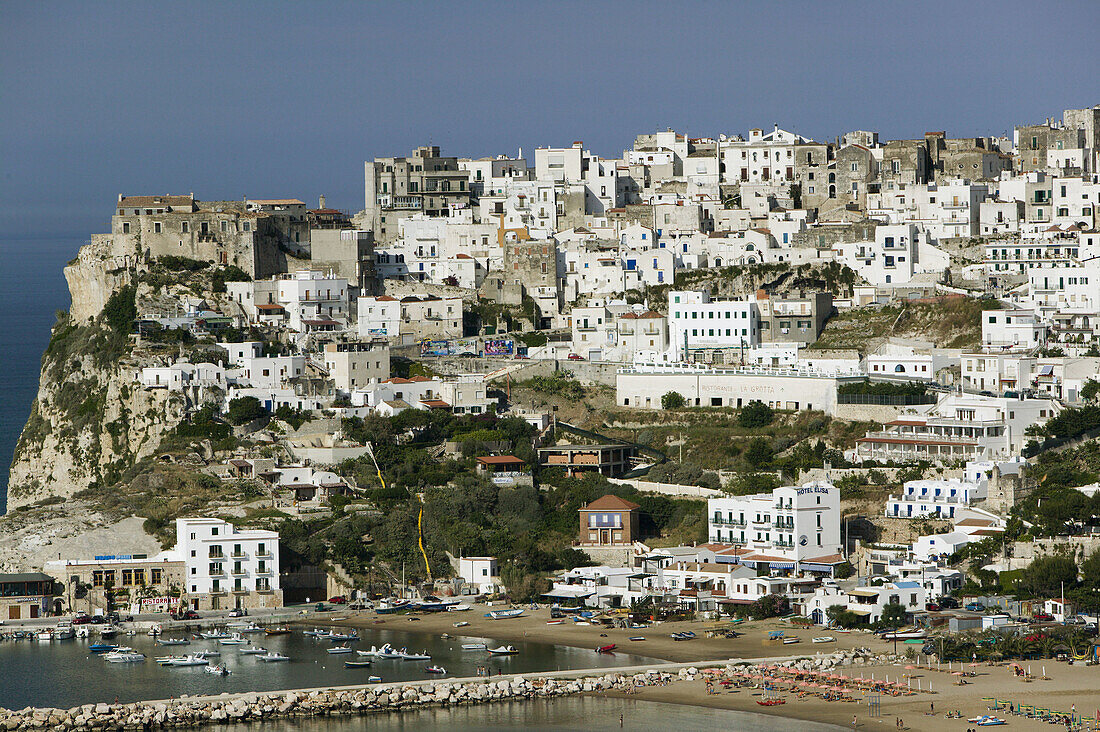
<point x="853" y="721"/>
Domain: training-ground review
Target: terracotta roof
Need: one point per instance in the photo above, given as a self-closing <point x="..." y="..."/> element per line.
<point x="397" y="380"/>
<point x="386" y="298"/>
<point x="651" y="314"/>
<point x="500" y="460"/>
<point x="827" y="559"/>
<point x="463" y="256"/>
<point x="269" y="306"/>
<point x="611" y="503"/>
<point x="435" y="403"/>
<point x="975" y="522"/>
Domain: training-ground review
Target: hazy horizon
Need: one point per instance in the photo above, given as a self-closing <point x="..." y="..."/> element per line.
<point x="260" y="99"/>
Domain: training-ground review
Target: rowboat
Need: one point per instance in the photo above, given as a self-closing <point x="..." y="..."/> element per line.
<point x="559" y="621"/>
<point x="636" y="638"/>
<point x="770" y="702"/>
<point x="473" y="646"/>
<point x="356" y="664"/>
<point x="823" y="639"/>
<point x="461" y="624"/>
<point x="905" y="635"/>
<point x="102" y="648"/>
<point x="791" y="641"/>
<point x="606" y="649"/>
<point x="435" y="670"/>
<point x="504" y="614"/>
<point x="217" y="670"/>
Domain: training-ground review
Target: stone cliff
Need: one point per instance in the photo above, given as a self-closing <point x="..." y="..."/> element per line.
<point x="91" y="420"/>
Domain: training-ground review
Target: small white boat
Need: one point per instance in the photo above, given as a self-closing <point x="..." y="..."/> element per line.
<point x="234" y="640"/>
<point x="791" y="641"/>
<point x="44" y="635"/>
<point x="390" y="653"/>
<point x="435" y="670"/>
<point x="823" y="639"/>
<point x="208" y="654"/>
<point x="244" y="628"/>
<point x="340" y="649"/>
<point x="123" y="657"/>
<point x="459" y="608"/>
<point x="374" y="679"/>
<point x="503" y="651"/>
<point x="214" y="635"/>
<point x="473" y="646"/>
<point x="83" y="631"/>
<point x="913" y="634"/>
<point x="154" y="630"/>
<point x="107" y="631"/>
<point x="406" y="655"/>
<point x="64" y="631"/>
<point x="173" y="642"/>
<point x="504" y="614"/>
<point x="461" y="624"/>
<point x="273" y="657"/>
<point x="251" y="651"/>
<point x="189" y="660"/>
<point x="343" y="636"/>
<point x="219" y="670"/>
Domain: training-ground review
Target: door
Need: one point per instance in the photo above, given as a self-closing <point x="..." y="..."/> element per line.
<point x="34" y="611"/>
<point x="14" y="612"/>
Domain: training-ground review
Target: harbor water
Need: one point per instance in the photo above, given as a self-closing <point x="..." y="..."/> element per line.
<point x="568" y="714"/>
<point x="65" y="673"/>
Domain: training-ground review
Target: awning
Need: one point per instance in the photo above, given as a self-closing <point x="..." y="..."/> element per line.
<point x="570" y="593"/>
<point x="859" y="611"/>
<point x="863" y="593"/>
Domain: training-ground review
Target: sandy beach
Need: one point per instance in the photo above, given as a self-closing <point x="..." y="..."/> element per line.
<point x="1067" y="685"/>
<point x="531" y="626"/>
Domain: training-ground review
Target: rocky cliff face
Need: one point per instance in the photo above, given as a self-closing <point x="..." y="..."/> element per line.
<point x="91" y="420"/>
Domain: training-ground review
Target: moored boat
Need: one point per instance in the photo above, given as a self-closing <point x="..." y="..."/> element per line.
<point x="606" y="649"/>
<point x="251" y="650"/>
<point x="340" y="649"/>
<point x="173" y="642"/>
<point x="356" y="664"/>
<point x="273" y="657"/>
<point x="124" y="657"/>
<point x="473" y="646"/>
<point x="408" y="656"/>
<point x="281" y="630"/>
<point x="503" y="651"/>
<point x="218" y="670"/>
<point x="435" y="670"/>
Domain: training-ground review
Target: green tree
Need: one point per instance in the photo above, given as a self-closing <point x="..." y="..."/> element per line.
<point x="120" y="312"/>
<point x="245" y="409"/>
<point x="1090" y="571"/>
<point x="844" y="570"/>
<point x="893" y="615"/>
<point x="1090" y="390"/>
<point x="755" y="414"/>
<point x="672" y="400"/>
<point x="759" y="453"/>
<point x="1046" y="575"/>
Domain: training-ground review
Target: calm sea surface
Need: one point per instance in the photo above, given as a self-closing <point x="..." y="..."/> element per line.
<point x="65" y="673"/>
<point x="32" y="289"/>
<point x="571" y="714"/>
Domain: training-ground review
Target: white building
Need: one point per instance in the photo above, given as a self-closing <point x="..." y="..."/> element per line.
<point x="182" y="374"/>
<point x="481" y="574"/>
<point x="867" y="602"/>
<point x="1016" y="329"/>
<point x="790" y="524"/>
<point x="934" y="498"/>
<point x="908" y="362"/>
<point x="227" y="567"/>
<point x="696" y="322"/>
<point x="351" y="365"/>
<point x="313" y="299"/>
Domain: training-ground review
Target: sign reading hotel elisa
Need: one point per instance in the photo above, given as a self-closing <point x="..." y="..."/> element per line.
<point x="815" y="488"/>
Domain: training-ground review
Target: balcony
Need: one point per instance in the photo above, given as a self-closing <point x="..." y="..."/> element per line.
<point x="238" y="572"/>
<point x="765" y="521"/>
<point x="240" y="590"/>
<point x="219" y="572"/>
<point x="784" y="545"/>
<point x="719" y="521"/>
<point x="238" y="555"/>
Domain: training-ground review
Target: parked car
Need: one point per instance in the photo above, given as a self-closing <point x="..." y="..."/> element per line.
<point x="237" y="613"/>
<point x="338" y="600"/>
<point x="98" y="620"/>
<point x="1042" y="617"/>
<point x="949" y="603"/>
<point x="931" y="606"/>
<point x="976" y="607"/>
<point x="575" y="357"/>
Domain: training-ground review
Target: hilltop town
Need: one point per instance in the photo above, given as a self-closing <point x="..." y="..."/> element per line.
<point x="750" y="374"/>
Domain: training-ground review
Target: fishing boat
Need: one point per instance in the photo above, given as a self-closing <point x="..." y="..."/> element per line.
<point x="173" y="642"/>
<point x="219" y="670"/>
<point x="905" y="635"/>
<point x="503" y="651"/>
<point x="636" y="638"/>
<point x="823" y="639"/>
<point x="281" y="630"/>
<point x="234" y="640"/>
<point x="434" y="670"/>
<point x="606" y="649"/>
<point x="559" y="621"/>
<point x="251" y="651"/>
<point x="407" y="656"/>
<point x="340" y="649"/>
<point x="388" y="607"/>
<point x="356" y="664"/>
<point x="107" y="631"/>
<point x="461" y="624"/>
<point x="473" y="646"/>
<point x="46" y="634"/>
<point x="102" y="648"/>
<point x="791" y="641"/>
<point x="504" y="614"/>
<point x="64" y="631"/>
<point x="124" y="657"/>
<point x="273" y="657"/>
<point x="374" y="679"/>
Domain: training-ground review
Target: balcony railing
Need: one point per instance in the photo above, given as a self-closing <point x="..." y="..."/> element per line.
<point x="238" y="555"/>
<point x="719" y="521"/>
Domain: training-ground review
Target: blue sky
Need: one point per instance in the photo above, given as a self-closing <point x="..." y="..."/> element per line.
<point x="287" y="99"/>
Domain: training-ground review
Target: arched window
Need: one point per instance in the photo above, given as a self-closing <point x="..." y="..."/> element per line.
<point x="899" y="369"/>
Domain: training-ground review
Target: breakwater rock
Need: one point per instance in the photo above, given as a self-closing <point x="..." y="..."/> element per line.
<point x="256" y="706"/>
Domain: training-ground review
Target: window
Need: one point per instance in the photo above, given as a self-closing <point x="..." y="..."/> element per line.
<point x="125" y="227"/>
<point x="156" y="227"/>
<point x="156" y="575"/>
